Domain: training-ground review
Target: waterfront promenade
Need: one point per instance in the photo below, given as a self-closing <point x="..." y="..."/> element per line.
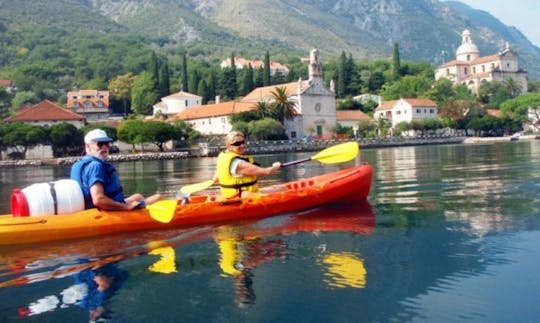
<point x="269" y="147"/>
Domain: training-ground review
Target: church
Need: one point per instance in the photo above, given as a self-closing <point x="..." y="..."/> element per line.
<point x="470" y="69"/>
<point x="315" y="106"/>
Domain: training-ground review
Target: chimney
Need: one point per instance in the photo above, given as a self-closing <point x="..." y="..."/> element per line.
<point x="217" y="99"/>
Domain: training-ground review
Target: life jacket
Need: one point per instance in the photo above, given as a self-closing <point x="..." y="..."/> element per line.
<point x="233" y="186"/>
<point x="112" y="186"/>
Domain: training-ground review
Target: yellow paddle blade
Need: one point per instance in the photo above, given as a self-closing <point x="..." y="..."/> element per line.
<point x="197" y="187"/>
<point x="162" y="211"/>
<point x="338" y="154"/>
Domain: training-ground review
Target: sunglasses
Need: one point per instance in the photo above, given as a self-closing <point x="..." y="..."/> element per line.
<point x="238" y="143"/>
<point x="103" y="143"/>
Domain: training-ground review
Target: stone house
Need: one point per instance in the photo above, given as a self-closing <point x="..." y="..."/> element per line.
<point x="93" y="104"/>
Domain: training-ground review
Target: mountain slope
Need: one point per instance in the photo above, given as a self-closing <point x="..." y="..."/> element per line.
<point x="426" y="30"/>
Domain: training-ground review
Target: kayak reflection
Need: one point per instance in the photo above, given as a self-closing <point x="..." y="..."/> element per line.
<point x="242" y="246"/>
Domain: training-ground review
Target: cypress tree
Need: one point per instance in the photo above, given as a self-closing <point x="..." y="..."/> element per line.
<point x="184" y="73"/>
<point x="396" y="64"/>
<point x="266" y="75"/>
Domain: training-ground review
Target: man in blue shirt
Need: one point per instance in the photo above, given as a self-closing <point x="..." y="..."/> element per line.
<point x="99" y="180"/>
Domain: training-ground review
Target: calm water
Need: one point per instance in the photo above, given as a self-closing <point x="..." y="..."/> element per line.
<point x="448" y="234"/>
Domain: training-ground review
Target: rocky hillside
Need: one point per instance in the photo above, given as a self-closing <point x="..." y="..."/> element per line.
<point x="426" y="30"/>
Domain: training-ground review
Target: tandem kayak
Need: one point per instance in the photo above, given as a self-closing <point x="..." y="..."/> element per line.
<point x="295" y="196"/>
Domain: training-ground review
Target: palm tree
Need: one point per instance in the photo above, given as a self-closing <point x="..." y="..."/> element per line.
<point x="264" y="110"/>
<point x="283" y="107"/>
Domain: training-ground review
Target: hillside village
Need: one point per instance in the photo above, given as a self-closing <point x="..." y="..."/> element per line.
<point x="315" y="117"/>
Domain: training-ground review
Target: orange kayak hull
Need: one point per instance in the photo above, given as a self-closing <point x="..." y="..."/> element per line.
<point x="295" y="196"/>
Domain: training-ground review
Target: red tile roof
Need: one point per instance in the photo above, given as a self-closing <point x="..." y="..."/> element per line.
<point x="420" y="102"/>
<point x="352" y="115"/>
<point x="386" y="105"/>
<point x="265" y="93"/>
<point x="494" y="112"/>
<point x="44" y="111"/>
<point x="213" y="110"/>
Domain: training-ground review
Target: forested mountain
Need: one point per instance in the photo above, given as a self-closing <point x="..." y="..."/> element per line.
<point x="71" y="42"/>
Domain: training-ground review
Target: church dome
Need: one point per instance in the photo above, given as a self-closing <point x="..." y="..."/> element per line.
<point x="467" y="51"/>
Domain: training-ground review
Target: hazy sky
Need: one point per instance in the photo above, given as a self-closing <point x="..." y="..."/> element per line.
<point x="522" y="14"/>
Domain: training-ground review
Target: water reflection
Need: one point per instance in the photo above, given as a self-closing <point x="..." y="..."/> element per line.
<point x="90" y="289"/>
<point x="243" y="247"/>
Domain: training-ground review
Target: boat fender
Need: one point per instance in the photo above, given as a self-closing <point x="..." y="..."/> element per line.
<point x="59" y="197"/>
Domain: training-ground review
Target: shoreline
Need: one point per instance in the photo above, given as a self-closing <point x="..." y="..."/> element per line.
<point x="269" y="147"/>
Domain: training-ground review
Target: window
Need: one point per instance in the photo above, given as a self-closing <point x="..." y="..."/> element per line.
<point x="465" y="71"/>
<point x="417" y="110"/>
<point x="88" y="104"/>
<point x="483" y="68"/>
<point x="100" y="104"/>
<point x="75" y="104"/>
<point x="431" y="111"/>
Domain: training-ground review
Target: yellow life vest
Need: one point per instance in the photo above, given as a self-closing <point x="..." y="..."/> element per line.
<point x="232" y="186"/>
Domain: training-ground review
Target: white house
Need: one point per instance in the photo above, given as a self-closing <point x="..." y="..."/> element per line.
<point x="406" y="110"/>
<point x="212" y="119"/>
<point x="176" y="103"/>
<point x="470" y="69"/>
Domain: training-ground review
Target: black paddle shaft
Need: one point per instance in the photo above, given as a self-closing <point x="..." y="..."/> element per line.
<point x="294" y="162"/>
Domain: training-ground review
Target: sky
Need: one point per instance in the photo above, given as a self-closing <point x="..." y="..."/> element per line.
<point x="522" y="14"/>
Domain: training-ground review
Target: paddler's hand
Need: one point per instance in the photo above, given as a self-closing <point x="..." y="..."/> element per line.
<point x="274" y="168"/>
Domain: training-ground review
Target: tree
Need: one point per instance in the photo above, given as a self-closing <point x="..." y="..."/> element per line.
<point x="24" y="97"/>
<point x="517" y="108"/>
<point x="396" y="63"/>
<point x="144" y="94"/>
<point x="266" y="74"/>
<point x="164" y="79"/>
<point x="282" y="106"/>
<point x="66" y="140"/>
<point x="129" y="132"/>
<point x="158" y="133"/>
<point x="267" y="129"/>
<point x="229" y="84"/>
<point x="184" y="73"/>
<point x="21" y="136"/>
<point x="120" y="88"/>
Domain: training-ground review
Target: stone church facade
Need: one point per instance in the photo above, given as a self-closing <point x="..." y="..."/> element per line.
<point x="471" y="69"/>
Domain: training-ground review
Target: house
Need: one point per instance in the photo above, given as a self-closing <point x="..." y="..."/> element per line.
<point x="212" y="119"/>
<point x="470" y="69"/>
<point x="365" y="98"/>
<point x="8" y="85"/>
<point x="176" y="103"/>
<point x="93" y="104"/>
<point x="406" y="110"/>
<point x="351" y="118"/>
<point x="315" y="106"/>
<point x="240" y="62"/>
<point x="46" y="113"/>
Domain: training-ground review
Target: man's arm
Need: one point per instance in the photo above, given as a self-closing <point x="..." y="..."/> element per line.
<point x="102" y="201"/>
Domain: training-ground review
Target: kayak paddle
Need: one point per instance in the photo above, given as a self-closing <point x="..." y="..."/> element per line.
<point x="197" y="187"/>
<point x="332" y="155"/>
<point x="162" y="211"/>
